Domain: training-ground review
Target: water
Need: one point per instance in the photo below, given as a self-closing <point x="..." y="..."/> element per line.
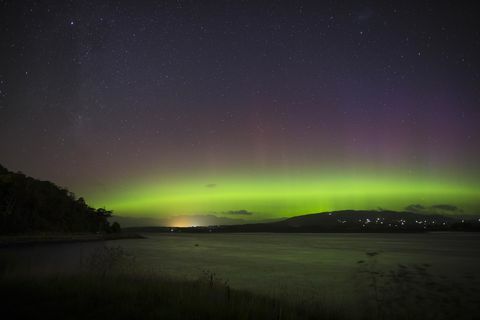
<point x="306" y="262"/>
<point x="316" y="264"/>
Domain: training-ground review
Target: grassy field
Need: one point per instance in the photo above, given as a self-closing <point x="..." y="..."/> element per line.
<point x="128" y="297"/>
<point x="134" y="296"/>
<point x="112" y="285"/>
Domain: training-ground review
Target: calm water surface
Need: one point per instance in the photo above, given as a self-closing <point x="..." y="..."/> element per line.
<point x="311" y="263"/>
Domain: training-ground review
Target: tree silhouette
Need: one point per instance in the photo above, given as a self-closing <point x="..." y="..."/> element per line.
<point x="30" y="205"/>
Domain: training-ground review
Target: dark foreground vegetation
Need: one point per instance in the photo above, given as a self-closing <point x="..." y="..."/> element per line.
<point x="135" y="297"/>
<point x="28" y="205"/>
<point x="110" y="287"/>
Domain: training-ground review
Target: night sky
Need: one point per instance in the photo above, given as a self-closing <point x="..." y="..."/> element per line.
<point x="242" y="108"/>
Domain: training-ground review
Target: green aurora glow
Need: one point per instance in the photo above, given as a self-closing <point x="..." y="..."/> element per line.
<point x="283" y="195"/>
<point x="159" y="110"/>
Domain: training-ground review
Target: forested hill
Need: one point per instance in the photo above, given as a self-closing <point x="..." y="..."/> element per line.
<point x="28" y="205"/>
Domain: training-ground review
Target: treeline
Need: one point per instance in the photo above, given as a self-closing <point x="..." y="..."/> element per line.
<point x="28" y="205"/>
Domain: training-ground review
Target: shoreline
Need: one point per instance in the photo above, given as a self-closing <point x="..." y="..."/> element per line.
<point x="40" y="239"/>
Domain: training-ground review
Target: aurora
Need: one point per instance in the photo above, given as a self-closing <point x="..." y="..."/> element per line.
<point x="167" y="109"/>
<point x="274" y="195"/>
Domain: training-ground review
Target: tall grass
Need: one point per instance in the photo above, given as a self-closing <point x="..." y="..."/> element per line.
<point x="140" y="297"/>
<point x="111" y="287"/>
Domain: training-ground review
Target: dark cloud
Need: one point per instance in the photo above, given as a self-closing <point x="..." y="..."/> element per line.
<point x="242" y="212"/>
<point x="436" y="208"/>
<point x="415" y="208"/>
<point x="211" y="185"/>
<point x="446" y="207"/>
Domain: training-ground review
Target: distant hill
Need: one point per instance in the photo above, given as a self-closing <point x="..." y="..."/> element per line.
<point x="367" y="218"/>
<point x="28" y="205"/>
<point x="343" y="221"/>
